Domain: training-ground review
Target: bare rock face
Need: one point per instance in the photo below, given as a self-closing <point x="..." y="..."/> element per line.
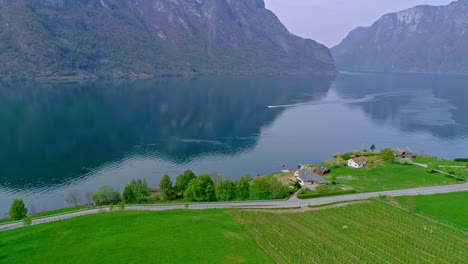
<point x="131" y="38"/>
<point x="423" y="39"/>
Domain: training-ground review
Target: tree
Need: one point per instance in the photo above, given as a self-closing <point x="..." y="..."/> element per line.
<point x="166" y="187"/>
<point x="226" y="190"/>
<point x="129" y="195"/>
<point x="201" y="189"/>
<point x="387" y="155"/>
<point x="183" y="180"/>
<point x="243" y="190"/>
<point x="432" y="166"/>
<point x="277" y="189"/>
<point x="260" y="189"/>
<point x="372" y="148"/>
<point x="18" y="210"/>
<point x="106" y="195"/>
<point x="137" y="191"/>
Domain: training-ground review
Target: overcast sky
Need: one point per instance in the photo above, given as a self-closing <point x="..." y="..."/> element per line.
<point x="329" y="21"/>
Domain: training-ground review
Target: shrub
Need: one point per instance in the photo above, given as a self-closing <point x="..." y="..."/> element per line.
<point x="431" y="167"/>
<point x="137" y="191"/>
<point x="312" y="194"/>
<point x="18" y="210"/>
<point x="201" y="189"/>
<point x="346" y="156"/>
<point x="460" y="160"/>
<point x="387" y="155"/>
<point x="359" y="153"/>
<point x="106" y="195"/>
<point x="322" y="189"/>
<point x="27" y="221"/>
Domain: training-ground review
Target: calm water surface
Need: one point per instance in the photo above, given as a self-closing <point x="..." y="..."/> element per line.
<point x="61" y="138"/>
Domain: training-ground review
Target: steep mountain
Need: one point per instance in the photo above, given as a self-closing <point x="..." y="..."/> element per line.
<point x="423" y="39"/>
<point x="136" y="38"/>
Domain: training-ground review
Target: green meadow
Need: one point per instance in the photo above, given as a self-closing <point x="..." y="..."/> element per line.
<point x="389" y="177"/>
<point x="451" y="208"/>
<point x="368" y="231"/>
<point x="208" y="236"/>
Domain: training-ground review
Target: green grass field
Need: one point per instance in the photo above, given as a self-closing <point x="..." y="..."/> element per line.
<point x="377" y="233"/>
<point x="428" y="159"/>
<point x="134" y="237"/>
<point x="389" y="177"/>
<point x="451" y="208"/>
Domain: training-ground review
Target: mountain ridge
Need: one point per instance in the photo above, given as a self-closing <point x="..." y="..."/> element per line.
<point x="422" y="39"/>
<point x="147" y="38"/>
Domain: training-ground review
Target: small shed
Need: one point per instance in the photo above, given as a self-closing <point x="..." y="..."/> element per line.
<point x="322" y="170"/>
<point x="404" y="152"/>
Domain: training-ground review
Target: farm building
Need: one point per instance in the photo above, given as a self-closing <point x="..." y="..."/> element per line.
<point x="305" y="176"/>
<point x="322" y="170"/>
<point x="358" y="162"/>
<point x="404" y="152"/>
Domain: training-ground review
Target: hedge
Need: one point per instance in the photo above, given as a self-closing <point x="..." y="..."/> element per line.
<point x="460" y="160"/>
<point x="313" y="194"/>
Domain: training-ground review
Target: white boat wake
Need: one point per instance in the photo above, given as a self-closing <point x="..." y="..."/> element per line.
<point x="367" y="98"/>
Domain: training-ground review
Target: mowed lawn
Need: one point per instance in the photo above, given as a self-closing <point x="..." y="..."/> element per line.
<point x="448" y="207"/>
<point x="185" y="236"/>
<point x="371" y="232"/>
<point x="428" y="159"/>
<point x="389" y="177"/>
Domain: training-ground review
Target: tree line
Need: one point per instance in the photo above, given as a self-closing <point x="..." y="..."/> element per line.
<point x="187" y="187"/>
<point x="193" y="188"/>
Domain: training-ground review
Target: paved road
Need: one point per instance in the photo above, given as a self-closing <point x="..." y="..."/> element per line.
<point x="293" y="202"/>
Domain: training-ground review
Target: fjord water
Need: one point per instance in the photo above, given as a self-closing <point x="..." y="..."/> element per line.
<point x="62" y="138"/>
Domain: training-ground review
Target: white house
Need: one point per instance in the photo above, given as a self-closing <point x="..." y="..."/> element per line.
<point x="357" y="163"/>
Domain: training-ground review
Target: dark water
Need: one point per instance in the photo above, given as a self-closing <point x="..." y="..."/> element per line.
<point x="61" y="138"/>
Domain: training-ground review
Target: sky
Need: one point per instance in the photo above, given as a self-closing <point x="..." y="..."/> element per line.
<point x="329" y="21"/>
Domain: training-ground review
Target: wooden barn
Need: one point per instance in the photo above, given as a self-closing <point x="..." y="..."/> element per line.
<point x="322" y="170"/>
